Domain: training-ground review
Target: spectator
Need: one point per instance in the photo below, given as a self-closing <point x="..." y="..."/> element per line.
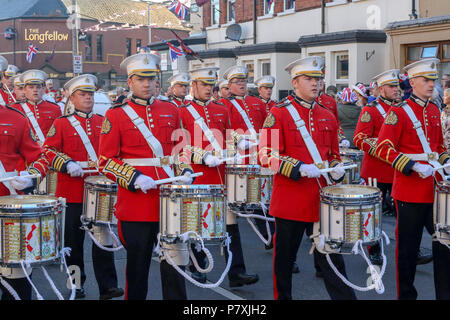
<point x="120" y="96"/>
<point x="215" y="95"/>
<point x="445" y="119"/>
<point x="445" y="81"/>
<point x="348" y="112"/>
<point x="332" y="91"/>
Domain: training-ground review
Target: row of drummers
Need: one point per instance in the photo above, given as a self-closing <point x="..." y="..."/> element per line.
<point x="347" y="215"/>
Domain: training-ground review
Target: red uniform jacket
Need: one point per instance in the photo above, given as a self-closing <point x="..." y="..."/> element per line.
<point x="64" y="139"/>
<point x="45" y="113"/>
<point x="295" y="197"/>
<point x="329" y="102"/>
<point x="120" y="139"/>
<point x="365" y="138"/>
<point x="398" y="137"/>
<point x="217" y="118"/>
<point x="6" y="96"/>
<point x="17" y="142"/>
<point x="255" y="109"/>
<point x="177" y="101"/>
<point x="269" y="104"/>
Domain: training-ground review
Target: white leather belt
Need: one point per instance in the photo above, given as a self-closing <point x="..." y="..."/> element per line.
<point x="423" y="156"/>
<point x="150" y="162"/>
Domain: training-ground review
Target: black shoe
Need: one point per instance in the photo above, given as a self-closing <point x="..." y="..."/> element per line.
<point x="238" y="280"/>
<point x="423" y="257"/>
<point x="376" y="259"/>
<point x="79" y="293"/>
<point x="295" y="268"/>
<point x="112" y="293"/>
<point x="198" y="276"/>
<point x="319" y="274"/>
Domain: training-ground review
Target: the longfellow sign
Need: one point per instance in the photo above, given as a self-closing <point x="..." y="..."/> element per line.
<point x="35" y="35"/>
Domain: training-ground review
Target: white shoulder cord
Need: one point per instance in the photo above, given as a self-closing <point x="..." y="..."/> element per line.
<point x="34" y="123"/>
<point x="84" y="137"/>
<point x="380" y="109"/>
<point x="206" y="130"/>
<point x="245" y="118"/>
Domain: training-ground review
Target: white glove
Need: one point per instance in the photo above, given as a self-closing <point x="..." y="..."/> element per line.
<point x="337" y="172"/>
<point x="309" y="170"/>
<point x="212" y="161"/>
<point x="144" y="183"/>
<point x="344" y="143"/>
<point x="185" y="179"/>
<point x="424" y="170"/>
<point x="447" y="172"/>
<point x="246" y="144"/>
<point x="74" y="169"/>
<point x="22" y="182"/>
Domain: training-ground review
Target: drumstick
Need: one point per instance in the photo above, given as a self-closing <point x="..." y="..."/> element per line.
<point x="442" y="167"/>
<point x="234" y="158"/>
<point x="90" y="171"/>
<point x="28" y="176"/>
<point x="343" y="167"/>
<point x="168" y="180"/>
<point x="10" y="94"/>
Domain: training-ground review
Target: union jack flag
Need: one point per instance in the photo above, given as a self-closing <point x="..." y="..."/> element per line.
<point x="269" y="4"/>
<point x="175" y="52"/>
<point x="32" y="50"/>
<point x="179" y="9"/>
<point x="347" y="95"/>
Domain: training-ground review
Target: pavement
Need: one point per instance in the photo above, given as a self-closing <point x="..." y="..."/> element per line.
<point x="305" y="286"/>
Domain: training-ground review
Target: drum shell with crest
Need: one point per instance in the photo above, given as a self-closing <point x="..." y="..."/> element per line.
<point x="192" y="208"/>
<point x="349" y="213"/>
<point x="48" y="184"/>
<point x="441" y="211"/>
<point x="32" y="229"/>
<point x="99" y="200"/>
<point x="356" y="156"/>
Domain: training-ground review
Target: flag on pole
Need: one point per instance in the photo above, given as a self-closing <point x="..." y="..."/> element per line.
<point x="175" y="52"/>
<point x="269" y="4"/>
<point x="180" y="10"/>
<point x="32" y="50"/>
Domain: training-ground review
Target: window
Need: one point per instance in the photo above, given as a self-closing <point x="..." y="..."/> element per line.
<point x="342" y="66"/>
<point x="429" y="52"/>
<point x="99" y="47"/>
<point x="440" y="50"/>
<point x="265" y="68"/>
<point x="251" y="70"/>
<point x="194" y="7"/>
<point x="268" y="10"/>
<point x="88" y="48"/>
<point x="128" y="47"/>
<point x="215" y="12"/>
<point x="289" y="5"/>
<point x="414" y="53"/>
<point x="231" y="10"/>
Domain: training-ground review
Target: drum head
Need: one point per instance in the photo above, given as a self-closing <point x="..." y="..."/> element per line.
<point x="27" y="204"/>
<point x="101" y="180"/>
<point x="191" y="188"/>
<point x="350" y="191"/>
<point x="349" y="152"/>
<point x="346" y="161"/>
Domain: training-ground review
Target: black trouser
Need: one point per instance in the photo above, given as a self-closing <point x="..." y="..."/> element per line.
<point x="237" y="262"/>
<point x="103" y="261"/>
<point x="288" y="236"/>
<point x="139" y="238"/>
<point x="411" y="218"/>
<point x="385" y="189"/>
<point x="261" y="224"/>
<point x="20" y="285"/>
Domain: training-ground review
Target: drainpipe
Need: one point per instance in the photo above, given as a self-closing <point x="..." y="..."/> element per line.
<point x="413" y="14"/>
<point x="254" y="21"/>
<point x="323" y="16"/>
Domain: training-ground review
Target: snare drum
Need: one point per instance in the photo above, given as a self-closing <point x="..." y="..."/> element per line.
<point x="99" y="200"/>
<point x="356" y="156"/>
<point x="348" y="177"/>
<point x="349" y="213"/>
<point x="31" y="229"/>
<point x="198" y="208"/>
<point x="441" y="215"/>
<point x="248" y="185"/>
<point x="48" y="184"/>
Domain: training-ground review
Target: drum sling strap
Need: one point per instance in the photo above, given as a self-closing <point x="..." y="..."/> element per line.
<point x="84" y="137"/>
<point x="34" y="123"/>
<point x="245" y="118"/>
<point x="153" y="143"/>
<point x="310" y="145"/>
<point x="7" y="184"/>
<point x="201" y="123"/>
<point x="2" y="102"/>
<point x="423" y="140"/>
<point x="380" y="109"/>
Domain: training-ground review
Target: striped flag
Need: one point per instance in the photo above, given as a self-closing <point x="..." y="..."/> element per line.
<point x="32" y="51"/>
<point x="180" y="10"/>
<point x="175" y="52"/>
<point x="269" y="4"/>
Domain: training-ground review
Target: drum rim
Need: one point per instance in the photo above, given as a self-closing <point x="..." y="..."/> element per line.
<point x="325" y="195"/>
<point x="23" y="209"/>
<point x="108" y="181"/>
<point x="171" y="187"/>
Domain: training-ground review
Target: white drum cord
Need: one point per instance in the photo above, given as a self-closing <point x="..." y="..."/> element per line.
<point x="29" y="280"/>
<point x="184" y="237"/>
<point x="66" y="252"/>
<point x="52" y="284"/>
<point x="376" y="277"/>
<point x="116" y="243"/>
<point x="9" y="288"/>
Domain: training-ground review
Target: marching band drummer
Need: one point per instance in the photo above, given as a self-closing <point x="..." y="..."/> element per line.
<point x="135" y="148"/>
<point x="411" y="141"/>
<point x="224" y="90"/>
<point x="40" y="113"/>
<point x="365" y="138"/>
<point x="179" y="85"/>
<point x="296" y="155"/>
<point x="76" y="138"/>
<point x="265" y="87"/>
<point x="18" y="91"/>
<point x="7" y="83"/>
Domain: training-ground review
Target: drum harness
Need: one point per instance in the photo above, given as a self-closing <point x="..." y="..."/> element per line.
<point x="24" y="264"/>
<point x="210" y="136"/>
<point x="34" y="123"/>
<point x="357" y="248"/>
<point x="156" y="147"/>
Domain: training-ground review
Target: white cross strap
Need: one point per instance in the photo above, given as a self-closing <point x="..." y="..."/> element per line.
<point x="2" y="102"/>
<point x="153" y="143"/>
<point x="201" y="123"/>
<point x="423" y="140"/>
<point x="245" y="118"/>
<point x="310" y="145"/>
<point x="84" y="137"/>
<point x="34" y="123"/>
<point x="4" y="174"/>
<point x="380" y="109"/>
